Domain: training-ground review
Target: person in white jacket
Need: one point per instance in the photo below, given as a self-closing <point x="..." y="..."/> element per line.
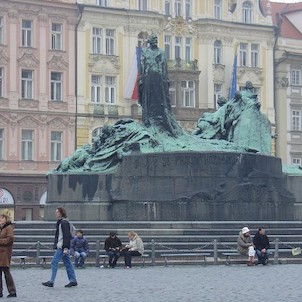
<point x="134" y="248"/>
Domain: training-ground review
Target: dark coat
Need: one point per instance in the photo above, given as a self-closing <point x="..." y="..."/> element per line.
<point x="66" y="233"/>
<point x="261" y="241"/>
<point x="6" y="244"/>
<point x="79" y="245"/>
<point x="112" y="244"/>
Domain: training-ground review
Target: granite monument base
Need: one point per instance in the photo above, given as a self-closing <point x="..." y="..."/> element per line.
<point x="184" y="186"/>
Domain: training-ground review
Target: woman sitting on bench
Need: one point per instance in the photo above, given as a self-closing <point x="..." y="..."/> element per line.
<point x="134" y="248"/>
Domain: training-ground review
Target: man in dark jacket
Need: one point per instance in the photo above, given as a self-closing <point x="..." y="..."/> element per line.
<point x="62" y="246"/>
<point x="261" y="244"/>
<point x="113" y="246"/>
<point x="79" y="248"/>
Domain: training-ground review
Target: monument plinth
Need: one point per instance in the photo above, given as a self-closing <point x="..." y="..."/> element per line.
<point x="177" y="186"/>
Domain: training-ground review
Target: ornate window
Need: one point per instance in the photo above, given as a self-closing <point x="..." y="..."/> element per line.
<point x="27" y="140"/>
<point x="56" y="36"/>
<point x="27" y="33"/>
<point x="142" y="39"/>
<point x="110" y="90"/>
<point x="295" y="77"/>
<point x="243" y="54"/>
<point x="172" y="92"/>
<point x="254" y="55"/>
<point x="177" y="48"/>
<point x="96" y="40"/>
<point x="102" y="2"/>
<point x="110" y="42"/>
<point x="188" y="93"/>
<point x="217" y="94"/>
<point x="177" y="8"/>
<point x="96" y="89"/>
<point x="167" y="46"/>
<point x="217" y="9"/>
<point x="56" y="85"/>
<point x="143" y="4"/>
<point x="167" y="7"/>
<point x="296" y="120"/>
<point x="56" y="146"/>
<point x="217" y="52"/>
<point x="247" y="12"/>
<point x="296" y="161"/>
<point x="27" y="84"/>
<point x="188" y="8"/>
<point x="188" y="49"/>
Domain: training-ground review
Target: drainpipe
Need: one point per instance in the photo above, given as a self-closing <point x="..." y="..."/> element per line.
<point x="81" y="9"/>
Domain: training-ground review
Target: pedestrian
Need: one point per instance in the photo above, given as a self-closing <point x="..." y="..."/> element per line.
<point x="113" y="246"/>
<point x="62" y="246"/>
<point x="6" y="247"/>
<point x="261" y="244"/>
<point x="245" y="245"/>
<point x="79" y="249"/>
<point x="134" y="248"/>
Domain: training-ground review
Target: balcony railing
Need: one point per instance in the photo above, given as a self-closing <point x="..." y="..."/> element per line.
<point x="183" y="64"/>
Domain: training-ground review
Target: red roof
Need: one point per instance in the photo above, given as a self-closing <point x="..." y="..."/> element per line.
<point x="288" y="29"/>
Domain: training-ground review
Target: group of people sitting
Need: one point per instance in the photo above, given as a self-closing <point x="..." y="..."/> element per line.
<point x="259" y="245"/>
<point x="113" y="247"/>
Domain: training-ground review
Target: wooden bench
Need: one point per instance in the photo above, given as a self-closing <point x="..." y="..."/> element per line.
<point x="170" y="255"/>
<point x="22" y="260"/>
<point x="105" y="256"/>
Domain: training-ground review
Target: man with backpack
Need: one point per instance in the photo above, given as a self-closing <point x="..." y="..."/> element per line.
<point x="62" y="246"/>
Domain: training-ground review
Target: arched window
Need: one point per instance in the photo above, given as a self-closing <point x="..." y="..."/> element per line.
<point x="247" y="12"/>
<point x="217" y="52"/>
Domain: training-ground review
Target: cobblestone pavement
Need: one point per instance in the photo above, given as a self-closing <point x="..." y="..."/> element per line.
<point x="168" y="284"/>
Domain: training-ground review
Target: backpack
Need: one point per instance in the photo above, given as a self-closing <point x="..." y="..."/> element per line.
<point x="73" y="230"/>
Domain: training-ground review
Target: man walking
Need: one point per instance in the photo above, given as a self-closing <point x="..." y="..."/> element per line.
<point x="62" y="246"/>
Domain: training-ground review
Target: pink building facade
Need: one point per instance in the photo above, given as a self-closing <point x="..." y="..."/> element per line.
<point x="37" y="99"/>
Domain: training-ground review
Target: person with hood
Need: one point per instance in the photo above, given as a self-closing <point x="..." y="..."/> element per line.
<point x="62" y="246"/>
<point x="6" y="247"/>
<point x="113" y="247"/>
<point x="134" y="248"/>
<point x="79" y="248"/>
<point x="245" y="245"/>
<point x="261" y="244"/>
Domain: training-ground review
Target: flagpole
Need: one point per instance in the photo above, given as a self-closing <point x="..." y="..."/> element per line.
<point x="233" y="87"/>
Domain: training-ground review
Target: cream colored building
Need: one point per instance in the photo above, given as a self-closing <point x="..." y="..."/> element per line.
<point x="200" y="38"/>
<point x="288" y="81"/>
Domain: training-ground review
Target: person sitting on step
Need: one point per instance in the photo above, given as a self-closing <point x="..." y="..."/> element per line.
<point x="134" y="248"/>
<point x="261" y="244"/>
<point x="245" y="245"/>
<point x="79" y="248"/>
<point x="113" y="246"/>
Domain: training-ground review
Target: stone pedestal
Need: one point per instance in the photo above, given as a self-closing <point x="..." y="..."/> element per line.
<point x="177" y="186"/>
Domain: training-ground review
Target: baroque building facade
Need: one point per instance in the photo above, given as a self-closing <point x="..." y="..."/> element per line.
<point x="68" y="68"/>
<point x="288" y="81"/>
<point x="37" y="99"/>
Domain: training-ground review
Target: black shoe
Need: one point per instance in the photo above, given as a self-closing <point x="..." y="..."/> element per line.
<point x="1" y="295"/>
<point x="12" y="295"/>
<point x="48" y="284"/>
<point x="71" y="284"/>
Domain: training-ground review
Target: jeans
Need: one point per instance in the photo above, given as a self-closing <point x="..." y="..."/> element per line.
<point x="262" y="257"/>
<point x="113" y="255"/>
<point x="67" y="263"/>
<point x="128" y="255"/>
<point x="79" y="256"/>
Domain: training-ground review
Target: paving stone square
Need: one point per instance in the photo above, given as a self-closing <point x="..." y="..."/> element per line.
<point x="220" y="283"/>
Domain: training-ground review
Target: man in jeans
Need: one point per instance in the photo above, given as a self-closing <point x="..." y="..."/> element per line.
<point x="62" y="246"/>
